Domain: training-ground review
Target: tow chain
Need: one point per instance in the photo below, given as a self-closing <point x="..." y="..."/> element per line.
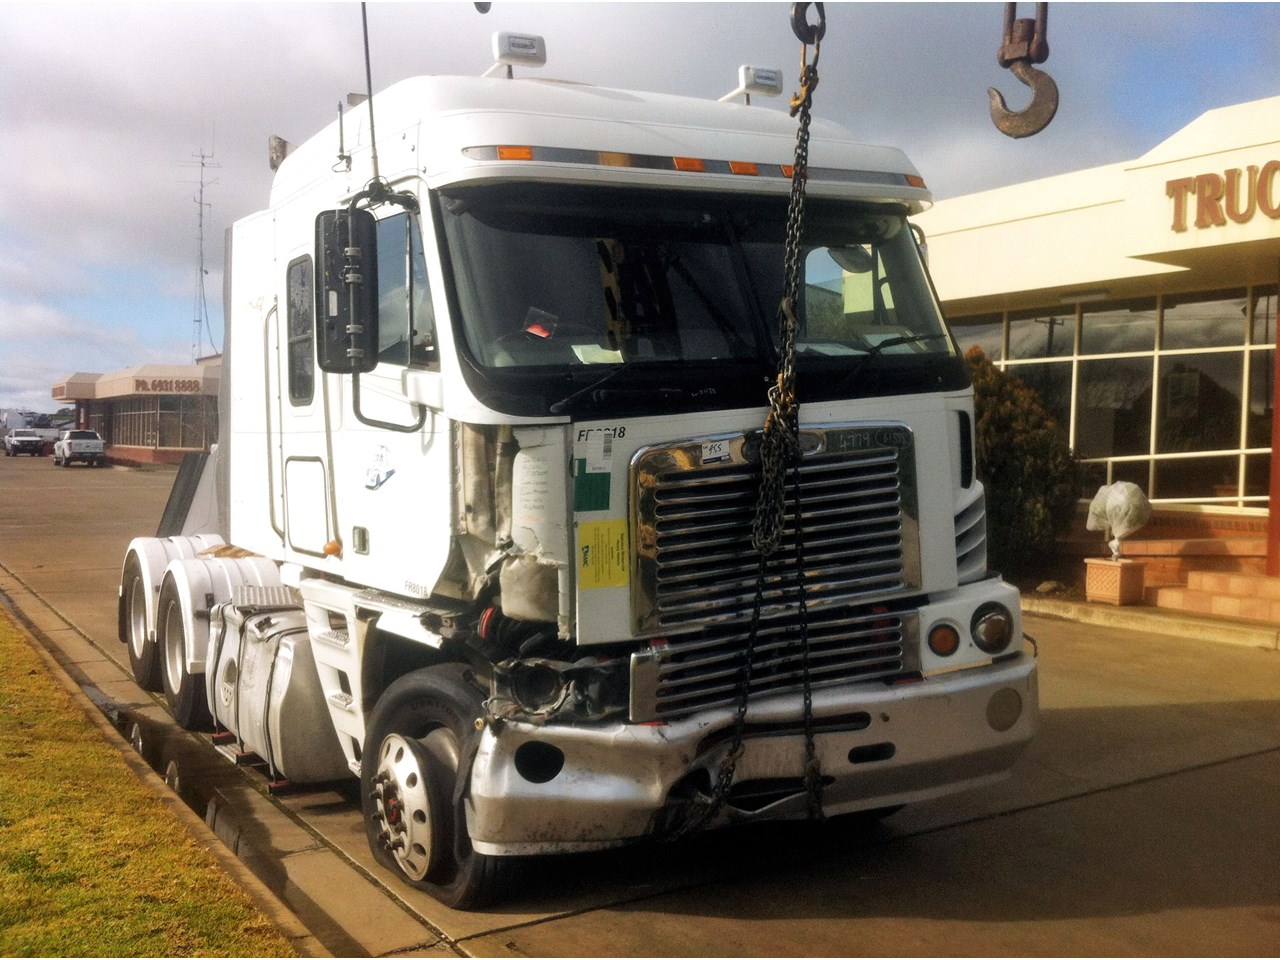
<point x="780" y="454"/>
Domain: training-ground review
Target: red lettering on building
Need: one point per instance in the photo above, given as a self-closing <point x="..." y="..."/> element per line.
<point x="1235" y="195"/>
<point x="1209" y="201"/>
<point x="1268" y="201"/>
<point x="1178" y="190"/>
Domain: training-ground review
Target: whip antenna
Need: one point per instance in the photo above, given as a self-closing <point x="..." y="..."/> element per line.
<point x="368" y="83"/>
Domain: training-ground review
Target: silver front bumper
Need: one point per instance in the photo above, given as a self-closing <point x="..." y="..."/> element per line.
<point x="878" y="746"/>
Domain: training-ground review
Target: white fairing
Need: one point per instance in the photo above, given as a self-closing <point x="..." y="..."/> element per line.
<point x="203" y="582"/>
<point x="154" y="554"/>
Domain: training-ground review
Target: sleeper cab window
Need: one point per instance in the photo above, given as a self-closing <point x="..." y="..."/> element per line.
<point x="301" y="331"/>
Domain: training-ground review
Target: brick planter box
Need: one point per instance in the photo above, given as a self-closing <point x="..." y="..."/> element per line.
<point x="1119" y="582"/>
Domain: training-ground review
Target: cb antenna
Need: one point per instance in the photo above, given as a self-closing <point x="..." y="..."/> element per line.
<point x="368" y="83"/>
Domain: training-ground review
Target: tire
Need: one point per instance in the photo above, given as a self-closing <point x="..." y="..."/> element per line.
<point x="144" y="652"/>
<point x="417" y="736"/>
<point x="184" y="692"/>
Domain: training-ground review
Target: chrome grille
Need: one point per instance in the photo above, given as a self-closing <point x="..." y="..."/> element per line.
<point x="703" y="670"/>
<point x="695" y="573"/>
<point x="693" y="504"/>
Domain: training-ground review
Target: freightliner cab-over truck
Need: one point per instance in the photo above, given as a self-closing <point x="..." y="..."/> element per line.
<point x="478" y="526"/>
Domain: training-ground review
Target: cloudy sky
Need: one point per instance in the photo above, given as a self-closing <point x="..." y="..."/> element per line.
<point x="106" y="109"/>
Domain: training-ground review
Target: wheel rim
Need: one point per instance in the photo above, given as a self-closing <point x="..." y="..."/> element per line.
<point x="175" y="654"/>
<point x="403" y="812"/>
<point x="137" y="616"/>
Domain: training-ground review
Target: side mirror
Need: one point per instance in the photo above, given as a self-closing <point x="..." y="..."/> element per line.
<point x="347" y="285"/>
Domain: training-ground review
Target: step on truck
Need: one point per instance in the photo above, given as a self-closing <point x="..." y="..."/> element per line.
<point x="478" y="529"/>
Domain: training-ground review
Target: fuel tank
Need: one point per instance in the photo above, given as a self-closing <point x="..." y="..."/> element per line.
<point x="263" y="687"/>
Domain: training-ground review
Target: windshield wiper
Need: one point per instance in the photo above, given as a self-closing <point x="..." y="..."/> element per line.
<point x="596" y="389"/>
<point x="901" y="341"/>
<point x="880" y="347"/>
<point x="559" y="405"/>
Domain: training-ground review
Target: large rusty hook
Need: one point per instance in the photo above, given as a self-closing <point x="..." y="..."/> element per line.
<point x="1025" y="42"/>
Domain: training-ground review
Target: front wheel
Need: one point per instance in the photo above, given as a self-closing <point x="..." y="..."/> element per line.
<point x="417" y="739"/>
<point x="184" y="691"/>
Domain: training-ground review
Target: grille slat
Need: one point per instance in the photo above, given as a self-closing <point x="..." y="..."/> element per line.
<point x="696" y="568"/>
<point x="703" y="672"/>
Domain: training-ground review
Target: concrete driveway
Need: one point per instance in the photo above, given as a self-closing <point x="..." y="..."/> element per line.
<point x="1143" y="821"/>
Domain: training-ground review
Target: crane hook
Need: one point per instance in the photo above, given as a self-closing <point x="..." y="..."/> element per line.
<point x="1025" y="42"/>
<point x="807" y="33"/>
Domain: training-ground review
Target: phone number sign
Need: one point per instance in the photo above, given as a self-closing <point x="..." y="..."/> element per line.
<point x="141" y="385"/>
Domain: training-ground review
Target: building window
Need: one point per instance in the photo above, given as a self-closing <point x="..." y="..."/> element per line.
<point x="1114" y="407"/>
<point x="1174" y="393"/>
<point x="1042" y="334"/>
<point x="301" y="328"/>
<point x="1204" y="320"/>
<point x="985" y="332"/>
<point x="1119" y="328"/>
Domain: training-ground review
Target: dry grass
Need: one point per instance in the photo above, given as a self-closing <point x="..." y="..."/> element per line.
<point x="93" y="862"/>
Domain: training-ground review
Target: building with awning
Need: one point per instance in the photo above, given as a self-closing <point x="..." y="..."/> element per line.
<point x="153" y="413"/>
<point x="1139" y="300"/>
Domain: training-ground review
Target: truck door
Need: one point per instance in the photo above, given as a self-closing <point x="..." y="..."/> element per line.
<point x="393" y="485"/>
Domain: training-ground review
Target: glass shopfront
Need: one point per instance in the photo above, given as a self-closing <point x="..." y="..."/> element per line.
<point x="1173" y="393"/>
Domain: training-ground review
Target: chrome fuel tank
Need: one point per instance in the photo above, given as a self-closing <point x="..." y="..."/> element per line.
<point x="263" y="687"/>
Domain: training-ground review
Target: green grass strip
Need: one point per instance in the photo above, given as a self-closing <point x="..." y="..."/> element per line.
<point x="92" y="861"/>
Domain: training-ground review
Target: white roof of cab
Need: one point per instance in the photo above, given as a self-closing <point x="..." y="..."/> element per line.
<point x="424" y="124"/>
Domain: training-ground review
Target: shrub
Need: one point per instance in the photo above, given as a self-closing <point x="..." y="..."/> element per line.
<point x="1032" y="480"/>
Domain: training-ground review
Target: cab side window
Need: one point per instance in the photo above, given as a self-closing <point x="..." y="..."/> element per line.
<point x="406" y="318"/>
<point x="301" y="331"/>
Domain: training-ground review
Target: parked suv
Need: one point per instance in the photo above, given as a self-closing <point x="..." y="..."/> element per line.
<point x="21" y="440"/>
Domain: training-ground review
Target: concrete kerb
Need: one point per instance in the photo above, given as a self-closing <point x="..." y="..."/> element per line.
<point x="1248" y="633"/>
<point x="282" y="918"/>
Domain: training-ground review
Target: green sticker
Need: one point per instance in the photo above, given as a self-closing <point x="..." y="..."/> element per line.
<point x="590" y="490"/>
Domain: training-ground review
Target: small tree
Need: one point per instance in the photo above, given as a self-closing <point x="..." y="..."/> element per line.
<point x="1032" y="480"/>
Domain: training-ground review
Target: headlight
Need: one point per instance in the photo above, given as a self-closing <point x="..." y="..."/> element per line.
<point x="992" y="628"/>
<point x="537" y="687"/>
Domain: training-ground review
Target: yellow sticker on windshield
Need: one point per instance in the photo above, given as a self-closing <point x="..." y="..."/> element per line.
<point x="603" y="558"/>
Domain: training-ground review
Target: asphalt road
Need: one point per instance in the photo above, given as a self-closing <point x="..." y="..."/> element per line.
<point x="1143" y="821"/>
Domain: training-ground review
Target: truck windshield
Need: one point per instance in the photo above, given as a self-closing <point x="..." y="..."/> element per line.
<point x="574" y="296"/>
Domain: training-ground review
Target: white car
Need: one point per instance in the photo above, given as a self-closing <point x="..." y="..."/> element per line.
<point x="22" y="440"/>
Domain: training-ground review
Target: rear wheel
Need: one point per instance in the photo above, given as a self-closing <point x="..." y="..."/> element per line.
<point x="144" y="652"/>
<point x="418" y="739"/>
<point x="182" y="689"/>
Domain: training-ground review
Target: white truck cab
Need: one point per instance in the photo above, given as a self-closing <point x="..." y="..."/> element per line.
<point x="489" y="465"/>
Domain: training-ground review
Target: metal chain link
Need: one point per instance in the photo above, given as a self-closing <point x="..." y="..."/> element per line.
<point x="779" y="453"/>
